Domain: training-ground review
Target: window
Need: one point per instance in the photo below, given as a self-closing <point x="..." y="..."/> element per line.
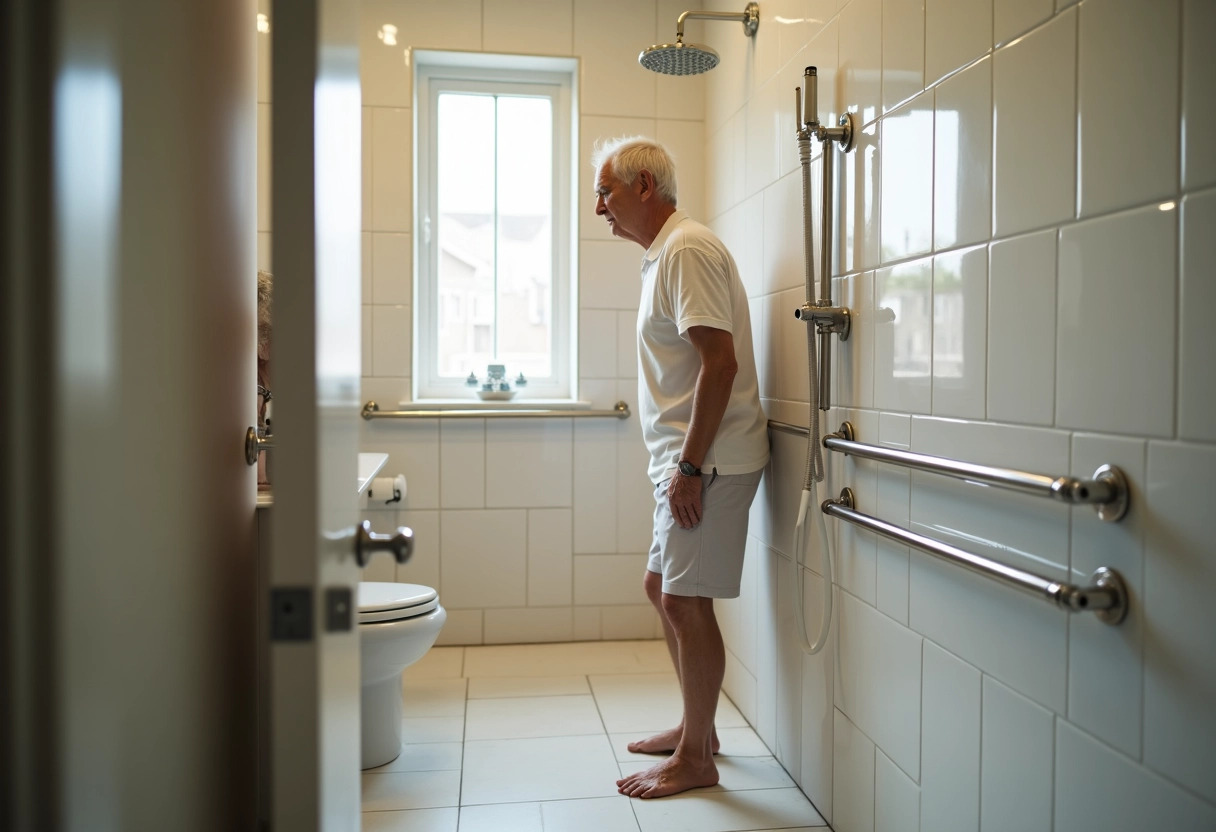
<point x="495" y="227"/>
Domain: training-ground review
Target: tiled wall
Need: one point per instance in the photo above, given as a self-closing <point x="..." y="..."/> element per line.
<point x="531" y="530"/>
<point x="1026" y="242"/>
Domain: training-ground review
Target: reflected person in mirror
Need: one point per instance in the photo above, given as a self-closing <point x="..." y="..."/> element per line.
<point x="699" y="407"/>
<point x="264" y="292"/>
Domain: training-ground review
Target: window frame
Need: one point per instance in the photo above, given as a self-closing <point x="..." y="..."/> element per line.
<point x="554" y="78"/>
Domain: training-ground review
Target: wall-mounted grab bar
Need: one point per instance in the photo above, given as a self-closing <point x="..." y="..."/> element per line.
<point x="1107" y="597"/>
<point x="1107" y="491"/>
<point x="371" y="410"/>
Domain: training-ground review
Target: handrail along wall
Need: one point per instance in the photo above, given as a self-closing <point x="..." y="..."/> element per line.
<point x="371" y="410"/>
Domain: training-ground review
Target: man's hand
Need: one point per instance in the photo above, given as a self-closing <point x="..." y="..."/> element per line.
<point x="684" y="498"/>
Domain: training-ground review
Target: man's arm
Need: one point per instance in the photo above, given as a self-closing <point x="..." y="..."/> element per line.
<point x="716" y="348"/>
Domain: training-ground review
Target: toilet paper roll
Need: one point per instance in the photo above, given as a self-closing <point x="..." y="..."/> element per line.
<point x="386" y="492"/>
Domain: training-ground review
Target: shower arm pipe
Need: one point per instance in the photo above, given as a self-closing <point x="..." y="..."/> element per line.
<point x="1107" y="491"/>
<point x="749" y="17"/>
<point x="1107" y="598"/>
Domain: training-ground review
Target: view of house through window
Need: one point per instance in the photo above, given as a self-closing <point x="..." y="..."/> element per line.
<point x="495" y="234"/>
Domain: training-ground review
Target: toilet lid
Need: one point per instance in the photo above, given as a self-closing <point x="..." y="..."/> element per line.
<point x="382" y="601"/>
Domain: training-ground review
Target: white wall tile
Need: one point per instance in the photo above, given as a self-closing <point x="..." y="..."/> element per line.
<point x="725" y="92"/>
<point x="366" y="145"/>
<point x="896" y="798"/>
<point x="857" y="222"/>
<point x="685" y="140"/>
<point x="587" y="624"/>
<point x="385" y="79"/>
<point x="392" y="332"/>
<point x="462" y="463"/>
<point x="852" y="778"/>
<point x="1021" y="369"/>
<point x="413" y="450"/>
<point x="950" y="756"/>
<point x="960" y="333"/>
<point x="593" y="129"/>
<point x="1015" y="761"/>
<point x="903" y="337"/>
<point x="742" y="231"/>
<point x="528" y="463"/>
<point x="854" y="374"/>
<point x="609" y="579"/>
<point x="818" y="688"/>
<point x="392" y="177"/>
<point x="634" y="490"/>
<point x="1109" y="31"/>
<point x="532" y="625"/>
<point x="1198" y="89"/>
<point x="764" y="135"/>
<point x="392" y="276"/>
<point x="423" y="566"/>
<point x="1034" y="182"/>
<point x="903" y="51"/>
<point x="1100" y="789"/>
<point x="879" y="681"/>
<point x="550" y="561"/>
<point x="1197" y="304"/>
<point x="483" y="559"/>
<point x="907" y="180"/>
<point x="856" y="554"/>
<point x="462" y="627"/>
<point x="597" y="343"/>
<point x="962" y="157"/>
<point x="365" y="339"/>
<point x="860" y="81"/>
<point x="892" y="501"/>
<point x="678" y="97"/>
<point x="787" y="340"/>
<point x="1105" y="665"/>
<point x="1011" y="18"/>
<point x="626" y="345"/>
<point x="766" y="646"/>
<point x="788" y="747"/>
<point x="608" y="38"/>
<point x="432" y="26"/>
<point x="383" y="390"/>
<point x="1118" y="268"/>
<point x="531" y="27"/>
<point x="1179" y="580"/>
<point x="365" y="267"/>
<point x="956" y="33"/>
<point x="784" y="250"/>
<point x="609" y="274"/>
<point x="628" y="622"/>
<point x="595" y="475"/>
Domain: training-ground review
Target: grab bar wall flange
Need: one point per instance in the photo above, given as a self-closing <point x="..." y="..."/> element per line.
<point x="371" y="410"/>
<point x="1107" y="491"/>
<point x="1108" y="597"/>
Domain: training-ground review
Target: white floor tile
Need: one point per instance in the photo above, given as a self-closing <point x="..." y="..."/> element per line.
<point x="554" y="768"/>
<point x="537" y="716"/>
<point x="501" y="817"/>
<point x="438" y="663"/>
<point x="650" y="702"/>
<point x="502" y="688"/>
<point x="601" y="814"/>
<point x="425" y="756"/>
<point x="705" y="811"/>
<point x="736" y="742"/>
<point x="412" y="820"/>
<point x="433" y="697"/>
<point x="581" y="658"/>
<point x="432" y="729"/>
<point x="734" y="773"/>
<point x="410" y="790"/>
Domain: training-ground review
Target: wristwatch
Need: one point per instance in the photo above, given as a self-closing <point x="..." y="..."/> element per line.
<point x="688" y="469"/>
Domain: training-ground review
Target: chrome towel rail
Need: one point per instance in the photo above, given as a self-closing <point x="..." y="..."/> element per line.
<point x="1107" y="597"/>
<point x="371" y="410"/>
<point x="1107" y="491"/>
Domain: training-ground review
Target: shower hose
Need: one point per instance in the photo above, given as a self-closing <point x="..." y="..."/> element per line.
<point x="814" y="453"/>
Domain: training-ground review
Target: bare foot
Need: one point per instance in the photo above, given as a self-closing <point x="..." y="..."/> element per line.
<point x="672" y="776"/>
<point x="665" y="742"/>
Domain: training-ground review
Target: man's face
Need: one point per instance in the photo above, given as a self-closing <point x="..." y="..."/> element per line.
<point x="619" y="204"/>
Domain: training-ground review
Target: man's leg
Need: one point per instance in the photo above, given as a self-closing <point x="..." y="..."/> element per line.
<point x="701" y="664"/>
<point x="665" y="742"/>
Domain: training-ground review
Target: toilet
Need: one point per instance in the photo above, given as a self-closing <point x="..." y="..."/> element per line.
<point x="398" y="623"/>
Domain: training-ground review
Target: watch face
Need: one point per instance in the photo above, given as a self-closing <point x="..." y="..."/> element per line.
<point x="688" y="469"/>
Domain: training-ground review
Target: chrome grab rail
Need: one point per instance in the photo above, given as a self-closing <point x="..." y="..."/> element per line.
<point x="1107" y="491"/>
<point x="371" y="410"/>
<point x="1107" y="598"/>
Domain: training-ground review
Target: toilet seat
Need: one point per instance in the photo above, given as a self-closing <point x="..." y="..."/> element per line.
<point x="382" y="601"/>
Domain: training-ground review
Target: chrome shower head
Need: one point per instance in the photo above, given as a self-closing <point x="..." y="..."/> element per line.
<point x="680" y="58"/>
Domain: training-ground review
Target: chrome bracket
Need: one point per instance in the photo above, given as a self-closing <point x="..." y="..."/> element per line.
<point x="826" y="318"/>
<point x="845" y="432"/>
<point x="1112" y="582"/>
<point x="1114" y="510"/>
<point x="255" y="443"/>
<point x="751" y="19"/>
<point x="400" y="544"/>
<point x="845" y="499"/>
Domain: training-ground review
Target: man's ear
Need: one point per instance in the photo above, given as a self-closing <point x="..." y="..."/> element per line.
<point x="646" y="182"/>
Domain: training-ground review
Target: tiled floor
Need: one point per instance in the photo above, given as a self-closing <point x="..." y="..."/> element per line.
<point x="532" y="738"/>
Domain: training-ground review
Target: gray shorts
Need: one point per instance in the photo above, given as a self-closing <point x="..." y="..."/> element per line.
<point x="706" y="560"/>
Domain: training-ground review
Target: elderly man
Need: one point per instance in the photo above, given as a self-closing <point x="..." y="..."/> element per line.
<point x="699" y="405"/>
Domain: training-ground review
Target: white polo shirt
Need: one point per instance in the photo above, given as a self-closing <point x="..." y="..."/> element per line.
<point x="689" y="279"/>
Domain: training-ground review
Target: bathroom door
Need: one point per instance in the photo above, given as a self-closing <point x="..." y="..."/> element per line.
<point x="314" y="648"/>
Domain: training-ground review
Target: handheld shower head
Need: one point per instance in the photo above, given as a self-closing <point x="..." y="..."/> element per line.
<point x="680" y="58"/>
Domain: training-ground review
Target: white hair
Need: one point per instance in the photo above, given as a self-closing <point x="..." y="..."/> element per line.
<point x="631" y="154"/>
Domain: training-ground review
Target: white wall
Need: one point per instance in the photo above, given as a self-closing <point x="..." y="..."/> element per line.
<point x="996" y="175"/>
